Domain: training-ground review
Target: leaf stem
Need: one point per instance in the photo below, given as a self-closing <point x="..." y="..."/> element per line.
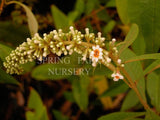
<point x="134" y="87"/>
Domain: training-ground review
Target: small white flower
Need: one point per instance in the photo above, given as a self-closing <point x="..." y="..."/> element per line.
<point x="87" y="30"/>
<point x="55" y="32"/>
<point x="119" y="61"/>
<point x="94" y="64"/>
<point x="99" y="34"/>
<point x="69" y="47"/>
<point x="72" y="30"/>
<point x="116" y="76"/>
<point x="70" y="52"/>
<point x="113" y="40"/>
<point x="108" y="60"/>
<point x="122" y="65"/>
<point x="59" y="53"/>
<point x="85" y="55"/>
<point x="102" y="39"/>
<point x="56" y="37"/>
<point x="84" y="58"/>
<point x="96" y="54"/>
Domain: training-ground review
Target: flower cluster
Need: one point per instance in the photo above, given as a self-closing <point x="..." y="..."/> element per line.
<point x="57" y="42"/>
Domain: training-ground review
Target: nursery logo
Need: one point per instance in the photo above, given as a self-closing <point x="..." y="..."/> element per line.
<point x="65" y="66"/>
<point x="65" y="60"/>
<point x="68" y="71"/>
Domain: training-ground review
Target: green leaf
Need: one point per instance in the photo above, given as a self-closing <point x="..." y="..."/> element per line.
<point x="135" y="119"/>
<point x="72" y="16"/>
<point x="35" y="103"/>
<point x="13" y="33"/>
<point x="4" y="51"/>
<point x="80" y="93"/>
<point x="27" y="67"/>
<point x="66" y="67"/>
<point x="103" y="16"/>
<point x="121" y="116"/>
<point x="61" y="21"/>
<point x="80" y="6"/>
<point x="153" y="89"/>
<point x="1" y="63"/>
<point x="150" y="115"/>
<point x="115" y="89"/>
<point x="122" y="8"/>
<point x="152" y="67"/>
<point x="109" y="27"/>
<point x="143" y="57"/>
<point x="146" y="14"/>
<point x="69" y="96"/>
<point x="32" y="22"/>
<point x="111" y="3"/>
<point x="130" y="38"/>
<point x="6" y="78"/>
<point x="90" y="5"/>
<point x="139" y="45"/>
<point x="129" y="102"/>
<point x="99" y="70"/>
<point x="31" y="116"/>
<point x="135" y="71"/>
<point x="59" y="116"/>
<point x="51" y="72"/>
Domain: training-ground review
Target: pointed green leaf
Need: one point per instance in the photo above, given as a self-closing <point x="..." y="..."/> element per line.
<point x="6" y="78"/>
<point x="59" y="116"/>
<point x="153" y="89"/>
<point x="135" y="70"/>
<point x="31" y="116"/>
<point x="51" y="72"/>
<point x="72" y="16"/>
<point x="143" y="57"/>
<point x="80" y="6"/>
<point x="121" y="116"/>
<point x="35" y="103"/>
<point x="122" y="8"/>
<point x="90" y="5"/>
<point x="4" y="51"/>
<point x="139" y="45"/>
<point x="80" y="92"/>
<point x="150" y="115"/>
<point x="32" y="22"/>
<point x="66" y="67"/>
<point x="129" y="102"/>
<point x="115" y="89"/>
<point x="109" y="27"/>
<point x="131" y="36"/>
<point x="145" y="13"/>
<point x="61" y="21"/>
<point x="69" y="96"/>
<point x="13" y="33"/>
<point x="27" y="67"/>
<point x="111" y="3"/>
<point x="155" y="65"/>
<point x="136" y="119"/>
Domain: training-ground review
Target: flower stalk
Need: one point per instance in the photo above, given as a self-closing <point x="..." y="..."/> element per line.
<point x="88" y="45"/>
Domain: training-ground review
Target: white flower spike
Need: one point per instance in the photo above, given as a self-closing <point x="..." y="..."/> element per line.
<point x="116" y="76"/>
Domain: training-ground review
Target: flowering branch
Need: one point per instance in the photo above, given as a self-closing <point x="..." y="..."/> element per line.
<point x="57" y="42"/>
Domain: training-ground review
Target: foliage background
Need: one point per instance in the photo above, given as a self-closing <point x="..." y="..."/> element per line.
<point x="34" y="95"/>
